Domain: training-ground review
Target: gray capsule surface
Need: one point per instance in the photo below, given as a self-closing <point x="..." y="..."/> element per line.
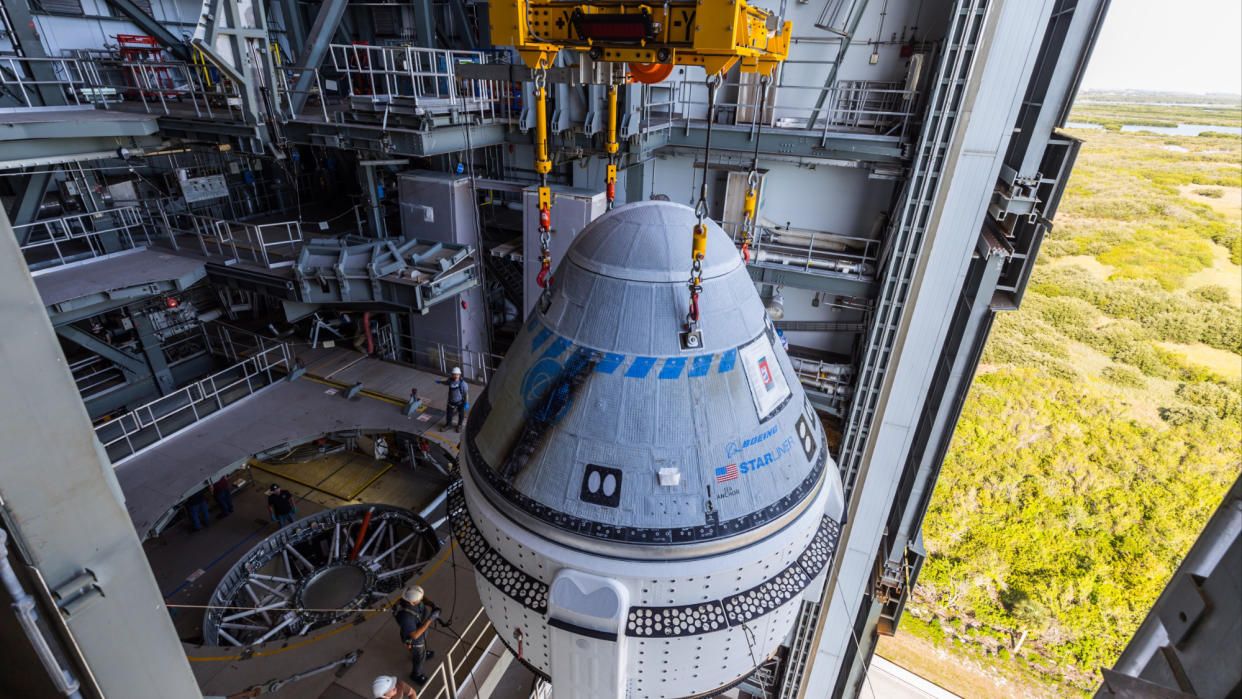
<point x="618" y="489"/>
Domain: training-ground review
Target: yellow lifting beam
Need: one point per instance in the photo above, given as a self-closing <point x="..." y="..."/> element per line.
<point x="714" y="34"/>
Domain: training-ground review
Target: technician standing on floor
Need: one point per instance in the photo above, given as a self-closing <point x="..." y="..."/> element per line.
<point x="281" y="505"/>
<point x="224" y="498"/>
<point x="458" y="398"/>
<point x="196" y="505"/>
<point x="414" y="615"/>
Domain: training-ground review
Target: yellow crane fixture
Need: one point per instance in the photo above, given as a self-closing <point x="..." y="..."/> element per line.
<point x="714" y="34"/>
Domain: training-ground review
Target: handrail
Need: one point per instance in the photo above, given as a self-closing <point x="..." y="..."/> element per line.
<point x="377" y="76"/>
<point x="18" y="73"/>
<point x="167" y="415"/>
<point x="445" y="674"/>
<point x="66" y="236"/>
<point x="269" y="244"/>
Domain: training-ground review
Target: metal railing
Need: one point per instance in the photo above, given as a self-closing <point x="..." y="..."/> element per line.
<point x="58" y="241"/>
<point x="852" y="106"/>
<point x="420" y="80"/>
<point x="271" y="245"/>
<point x="811" y="251"/>
<point x="29" y="79"/>
<point x="443" y="681"/>
<point x="833" y="381"/>
<point x="314" y="93"/>
<point x="477" y="367"/>
<point x="259" y="363"/>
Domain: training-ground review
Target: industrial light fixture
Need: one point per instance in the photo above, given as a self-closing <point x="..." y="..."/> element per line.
<point x="776" y="304"/>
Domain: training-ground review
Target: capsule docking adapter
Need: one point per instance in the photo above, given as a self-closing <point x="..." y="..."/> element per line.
<point x="619" y="579"/>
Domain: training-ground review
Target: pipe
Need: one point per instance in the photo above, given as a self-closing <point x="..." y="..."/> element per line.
<point x="24" y="606"/>
<point x="799" y="261"/>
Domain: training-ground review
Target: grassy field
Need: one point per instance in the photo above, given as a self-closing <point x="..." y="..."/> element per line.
<point x="1104" y="109"/>
<point x="1103" y="426"/>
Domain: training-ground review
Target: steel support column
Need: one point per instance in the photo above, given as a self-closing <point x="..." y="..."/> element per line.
<point x="425" y="23"/>
<point x="27" y="39"/>
<point x="320" y="36"/>
<point x="26" y="205"/>
<point x="295" y="28"/>
<point x="154" y="353"/>
<point x="133" y="366"/>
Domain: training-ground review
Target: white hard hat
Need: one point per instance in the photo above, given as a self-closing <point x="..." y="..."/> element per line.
<point x="383" y="685"/>
<point x="413" y="594"/>
<point x="456" y="370"/>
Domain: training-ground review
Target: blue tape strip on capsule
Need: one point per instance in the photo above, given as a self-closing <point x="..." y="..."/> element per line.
<point x="609" y="363"/>
<point x="700" y="365"/>
<point x="558" y="346"/>
<point x="727" y="360"/>
<point x="640" y="367"/>
<point x="672" y="368"/>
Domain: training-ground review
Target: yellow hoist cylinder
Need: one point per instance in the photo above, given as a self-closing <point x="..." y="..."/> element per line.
<point x="749" y="203"/>
<point x="699" y="247"/>
<point x="542" y="164"/>
<point x="611" y="145"/>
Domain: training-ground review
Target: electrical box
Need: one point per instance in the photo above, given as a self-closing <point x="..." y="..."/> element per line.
<point x="196" y="189"/>
<point x="441" y="206"/>
<point x="572" y="210"/>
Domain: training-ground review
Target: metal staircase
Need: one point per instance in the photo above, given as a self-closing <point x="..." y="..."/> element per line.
<point x="905" y="240"/>
<point x="897" y="265"/>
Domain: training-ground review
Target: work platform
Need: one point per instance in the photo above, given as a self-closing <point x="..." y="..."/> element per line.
<point x="124" y="276"/>
<point x="159" y="477"/>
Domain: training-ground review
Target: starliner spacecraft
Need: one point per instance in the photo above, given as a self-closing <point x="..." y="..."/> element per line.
<point x="643" y="519"/>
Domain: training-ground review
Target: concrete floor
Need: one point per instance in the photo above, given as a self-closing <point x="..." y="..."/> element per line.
<point x="188" y="565"/>
<point x="286" y="412"/>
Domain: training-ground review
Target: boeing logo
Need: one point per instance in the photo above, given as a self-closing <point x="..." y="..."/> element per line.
<point x="735" y="448"/>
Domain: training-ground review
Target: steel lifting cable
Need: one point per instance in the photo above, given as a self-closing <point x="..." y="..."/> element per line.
<point x="751" y="202"/>
<point x="543" y="165"/>
<point x="699" y="242"/>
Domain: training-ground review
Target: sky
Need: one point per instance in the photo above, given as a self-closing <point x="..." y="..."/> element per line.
<point x="1169" y="45"/>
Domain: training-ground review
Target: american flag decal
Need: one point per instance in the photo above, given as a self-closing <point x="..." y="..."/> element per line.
<point x="726" y="473"/>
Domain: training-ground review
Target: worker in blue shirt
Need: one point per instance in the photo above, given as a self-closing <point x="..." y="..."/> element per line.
<point x="458" y="399"/>
<point x="414" y="615"/>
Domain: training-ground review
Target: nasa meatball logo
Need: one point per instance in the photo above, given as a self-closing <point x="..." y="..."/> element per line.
<point x="538" y="380"/>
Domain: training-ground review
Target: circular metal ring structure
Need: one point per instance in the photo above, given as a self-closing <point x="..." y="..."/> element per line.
<point x="318" y="571"/>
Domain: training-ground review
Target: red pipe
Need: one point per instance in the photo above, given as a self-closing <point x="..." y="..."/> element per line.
<point x="361" y="533"/>
<point x="366" y="330"/>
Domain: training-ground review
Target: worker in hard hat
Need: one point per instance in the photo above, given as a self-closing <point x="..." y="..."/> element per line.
<point x="389" y="687"/>
<point x="458" y="398"/>
<point x="414" y="616"/>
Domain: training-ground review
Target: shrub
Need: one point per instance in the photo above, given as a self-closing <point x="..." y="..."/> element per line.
<point x="1184" y="415"/>
<point x="1225" y="403"/>
<point x="1212" y="293"/>
<point x="1210" y="193"/>
<point x="1221" y="327"/>
<point x="1124" y="376"/>
<point x="1177" y="326"/>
